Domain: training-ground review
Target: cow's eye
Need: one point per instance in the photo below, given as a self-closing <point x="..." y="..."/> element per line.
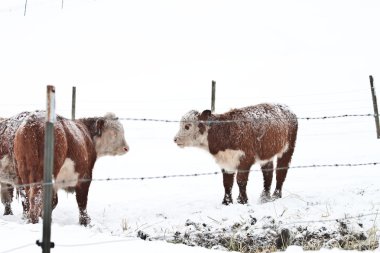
<point x="187" y="127"/>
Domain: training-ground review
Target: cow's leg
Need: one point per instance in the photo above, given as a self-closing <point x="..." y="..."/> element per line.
<point x="242" y="179"/>
<point x="7" y="197"/>
<point x="24" y="201"/>
<point x="267" y="170"/>
<point x="35" y="201"/>
<point x="281" y="171"/>
<point x="228" y="181"/>
<point x="81" y="194"/>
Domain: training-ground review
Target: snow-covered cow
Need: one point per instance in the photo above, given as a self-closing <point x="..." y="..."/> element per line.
<point x="8" y="171"/>
<point x="77" y="146"/>
<point x="263" y="134"/>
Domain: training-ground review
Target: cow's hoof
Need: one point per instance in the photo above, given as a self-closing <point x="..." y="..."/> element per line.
<point x="265" y="197"/>
<point x="276" y="195"/>
<point x="33" y="220"/>
<point x="84" y="220"/>
<point x="242" y="200"/>
<point x="8" y="211"/>
<point x="227" y="200"/>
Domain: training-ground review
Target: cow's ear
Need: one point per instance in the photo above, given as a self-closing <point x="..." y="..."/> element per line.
<point x="99" y="127"/>
<point x="202" y="128"/>
<point x="205" y="115"/>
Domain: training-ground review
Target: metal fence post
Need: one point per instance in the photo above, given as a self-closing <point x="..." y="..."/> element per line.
<point x="376" y="111"/>
<point x="213" y="96"/>
<point x="73" y="103"/>
<point x="46" y="244"/>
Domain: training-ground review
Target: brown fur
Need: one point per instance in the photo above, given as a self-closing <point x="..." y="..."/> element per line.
<point x="74" y="140"/>
<point x="262" y="132"/>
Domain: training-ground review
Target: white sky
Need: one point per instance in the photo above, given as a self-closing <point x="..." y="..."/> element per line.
<point x="131" y="56"/>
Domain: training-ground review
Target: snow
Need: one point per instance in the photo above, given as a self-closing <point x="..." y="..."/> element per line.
<point x="155" y="60"/>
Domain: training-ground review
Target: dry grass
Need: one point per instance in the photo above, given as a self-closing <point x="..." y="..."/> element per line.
<point x="271" y="238"/>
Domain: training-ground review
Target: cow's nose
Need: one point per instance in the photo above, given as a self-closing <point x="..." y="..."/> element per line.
<point x="175" y="139"/>
<point x="126" y="149"/>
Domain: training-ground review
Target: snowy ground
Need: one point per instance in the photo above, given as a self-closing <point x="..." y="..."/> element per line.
<point x="314" y="198"/>
<point x="156" y="59"/>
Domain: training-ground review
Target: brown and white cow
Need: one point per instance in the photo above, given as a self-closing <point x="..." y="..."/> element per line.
<point x="263" y="134"/>
<point x="77" y="146"/>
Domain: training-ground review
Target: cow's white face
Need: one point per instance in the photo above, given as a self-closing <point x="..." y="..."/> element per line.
<point x="111" y="141"/>
<point x="189" y="134"/>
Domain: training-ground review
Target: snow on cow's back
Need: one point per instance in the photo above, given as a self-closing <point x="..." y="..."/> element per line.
<point x="9" y="126"/>
<point x="266" y="115"/>
<point x="267" y="111"/>
<point x="8" y="129"/>
<point x="73" y="129"/>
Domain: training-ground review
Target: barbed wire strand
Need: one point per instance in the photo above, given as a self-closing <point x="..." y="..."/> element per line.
<point x="142" y="178"/>
<point x="253" y="119"/>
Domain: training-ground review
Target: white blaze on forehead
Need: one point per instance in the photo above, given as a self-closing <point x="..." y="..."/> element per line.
<point x="229" y="159"/>
<point x="188" y="119"/>
<point x="111" y="121"/>
<point x="190" y="116"/>
<point x="67" y="176"/>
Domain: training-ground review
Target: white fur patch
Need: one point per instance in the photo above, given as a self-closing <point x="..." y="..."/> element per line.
<point x="4" y="163"/>
<point x="229" y="159"/>
<point x="7" y="171"/>
<point x="283" y="150"/>
<point x="67" y="176"/>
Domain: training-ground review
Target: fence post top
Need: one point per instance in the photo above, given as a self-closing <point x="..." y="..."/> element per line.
<point x="50" y="107"/>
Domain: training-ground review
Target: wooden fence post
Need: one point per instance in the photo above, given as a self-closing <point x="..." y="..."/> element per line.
<point x="376" y="111"/>
<point x="26" y="4"/>
<point x="46" y="244"/>
<point x="213" y="96"/>
<point x="73" y="103"/>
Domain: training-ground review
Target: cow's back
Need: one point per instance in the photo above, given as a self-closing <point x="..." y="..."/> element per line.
<point x="8" y="128"/>
<point x="29" y="148"/>
<point x="260" y="131"/>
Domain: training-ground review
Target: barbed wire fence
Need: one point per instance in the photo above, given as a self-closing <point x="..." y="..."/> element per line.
<point x="190" y="175"/>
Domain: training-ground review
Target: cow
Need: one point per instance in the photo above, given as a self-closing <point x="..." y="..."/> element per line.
<point x="262" y="134"/>
<point x="8" y="170"/>
<point x="77" y="145"/>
